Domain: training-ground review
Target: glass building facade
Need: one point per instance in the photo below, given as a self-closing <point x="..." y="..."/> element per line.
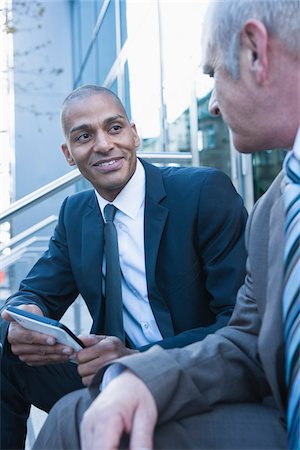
<point x="149" y="54"/>
<point x="6" y="134"/>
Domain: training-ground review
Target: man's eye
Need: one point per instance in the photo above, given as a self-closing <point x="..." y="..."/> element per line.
<point x="83" y="137"/>
<point x="115" y="128"/>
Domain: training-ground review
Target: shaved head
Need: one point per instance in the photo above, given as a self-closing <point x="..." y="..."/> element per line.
<point x="86" y="91"/>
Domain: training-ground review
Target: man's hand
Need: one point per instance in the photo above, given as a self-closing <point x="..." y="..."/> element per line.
<point x="34" y="348"/>
<point x="125" y="406"/>
<point x="99" y="351"/>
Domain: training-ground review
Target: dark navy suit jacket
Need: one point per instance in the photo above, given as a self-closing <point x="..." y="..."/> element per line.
<point x="194" y="252"/>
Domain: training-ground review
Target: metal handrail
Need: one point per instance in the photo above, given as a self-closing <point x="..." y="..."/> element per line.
<point x="72" y="177"/>
<point x="19" y="250"/>
<point x="29" y="232"/>
<point x="40" y="194"/>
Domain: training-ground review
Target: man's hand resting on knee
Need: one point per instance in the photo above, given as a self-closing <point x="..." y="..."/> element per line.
<point x="125" y="406"/>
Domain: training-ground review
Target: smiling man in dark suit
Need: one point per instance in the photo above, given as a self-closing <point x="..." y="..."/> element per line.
<point x="239" y="388"/>
<point x="181" y="251"/>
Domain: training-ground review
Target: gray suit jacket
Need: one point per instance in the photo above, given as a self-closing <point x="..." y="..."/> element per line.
<point x="243" y="362"/>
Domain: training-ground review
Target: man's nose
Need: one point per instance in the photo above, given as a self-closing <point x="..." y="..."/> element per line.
<point x="213" y="106"/>
<point x="102" y="143"/>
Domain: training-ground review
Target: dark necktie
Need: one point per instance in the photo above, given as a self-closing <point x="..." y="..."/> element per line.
<point x="113" y="291"/>
<point x="291" y="296"/>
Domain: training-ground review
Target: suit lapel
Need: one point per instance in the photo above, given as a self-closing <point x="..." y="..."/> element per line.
<point x="154" y="224"/>
<point x="273" y="327"/>
<point x="92" y="248"/>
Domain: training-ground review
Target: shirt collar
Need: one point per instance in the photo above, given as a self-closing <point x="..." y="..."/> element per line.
<point x="296" y="147"/>
<point x="132" y="196"/>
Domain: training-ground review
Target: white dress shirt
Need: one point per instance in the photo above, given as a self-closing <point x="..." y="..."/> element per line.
<point x="139" y="321"/>
<point x="296" y="148"/>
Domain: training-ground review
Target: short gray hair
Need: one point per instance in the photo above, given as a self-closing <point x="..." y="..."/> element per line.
<point x="85" y="91"/>
<point x="226" y="19"/>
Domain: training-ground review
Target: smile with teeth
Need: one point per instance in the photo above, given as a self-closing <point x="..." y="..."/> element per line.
<point x="106" y="163"/>
<point x="108" y="166"/>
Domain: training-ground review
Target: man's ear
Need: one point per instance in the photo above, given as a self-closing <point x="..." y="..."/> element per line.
<point x="137" y="140"/>
<point x="68" y="155"/>
<point x="254" y="39"/>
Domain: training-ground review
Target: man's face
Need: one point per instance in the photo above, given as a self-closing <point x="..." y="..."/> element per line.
<point x="101" y="142"/>
<point x="249" y="104"/>
<point x="234" y="100"/>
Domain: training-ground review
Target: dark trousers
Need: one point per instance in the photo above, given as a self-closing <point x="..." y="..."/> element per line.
<point x="23" y="386"/>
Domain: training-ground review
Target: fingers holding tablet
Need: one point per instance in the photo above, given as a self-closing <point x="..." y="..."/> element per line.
<point x="38" y="340"/>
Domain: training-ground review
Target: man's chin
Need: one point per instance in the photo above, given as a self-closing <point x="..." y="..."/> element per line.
<point x="247" y="145"/>
<point x="243" y="145"/>
<point x="244" y="148"/>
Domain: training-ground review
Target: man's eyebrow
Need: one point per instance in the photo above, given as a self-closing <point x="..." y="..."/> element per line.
<point x="84" y="126"/>
<point x="113" y="118"/>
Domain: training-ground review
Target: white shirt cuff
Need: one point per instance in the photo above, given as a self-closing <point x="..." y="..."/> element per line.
<point x="111" y="372"/>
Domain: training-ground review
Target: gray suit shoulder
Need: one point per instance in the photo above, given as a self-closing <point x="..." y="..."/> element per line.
<point x="266" y="201"/>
